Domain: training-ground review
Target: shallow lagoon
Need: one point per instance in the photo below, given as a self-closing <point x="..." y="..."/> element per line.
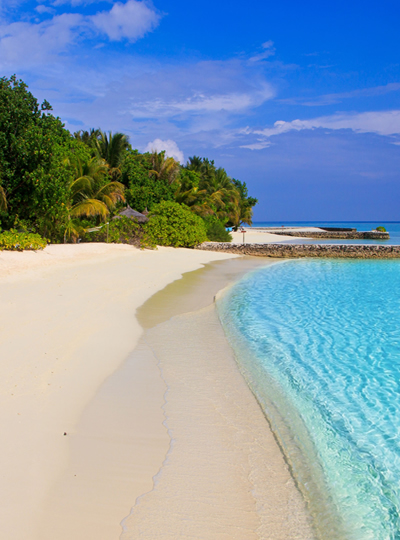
<point x="319" y="343"/>
<point x="393" y="228"/>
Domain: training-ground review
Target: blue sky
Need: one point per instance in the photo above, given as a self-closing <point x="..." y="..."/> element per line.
<point x="299" y="99"/>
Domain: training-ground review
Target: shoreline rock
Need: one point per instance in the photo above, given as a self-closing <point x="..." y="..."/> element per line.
<point x="294" y="251"/>
<point x="335" y="235"/>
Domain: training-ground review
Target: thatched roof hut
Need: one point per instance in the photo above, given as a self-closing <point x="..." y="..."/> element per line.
<point x="132" y="214"/>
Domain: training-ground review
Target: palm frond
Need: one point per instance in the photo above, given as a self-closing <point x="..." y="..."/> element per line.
<point x="156" y="173"/>
<point x="89" y="208"/>
<point x="113" y="192"/>
<point x="82" y="184"/>
<point x="3" y="199"/>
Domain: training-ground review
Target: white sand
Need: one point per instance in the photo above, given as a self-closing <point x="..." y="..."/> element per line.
<point x="224" y="477"/>
<point x="67" y="322"/>
<point x="259" y="237"/>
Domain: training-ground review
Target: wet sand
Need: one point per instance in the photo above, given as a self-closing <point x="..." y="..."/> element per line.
<point x="174" y="440"/>
<point x="67" y="323"/>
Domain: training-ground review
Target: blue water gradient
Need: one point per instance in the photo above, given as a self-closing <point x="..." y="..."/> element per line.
<point x="392" y="227"/>
<point x="319" y="343"/>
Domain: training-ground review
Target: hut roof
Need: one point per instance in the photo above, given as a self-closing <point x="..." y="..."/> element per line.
<point x="133" y="214"/>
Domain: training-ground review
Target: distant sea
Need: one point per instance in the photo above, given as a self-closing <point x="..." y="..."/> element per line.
<point x="319" y="344"/>
<point x="393" y="228"/>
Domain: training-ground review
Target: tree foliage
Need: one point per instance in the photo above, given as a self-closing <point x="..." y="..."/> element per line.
<point x="120" y="230"/>
<point x="144" y="189"/>
<point x="216" y="231"/>
<point x="28" y="135"/>
<point x="58" y="185"/>
<point x="91" y="194"/>
<point x="173" y="224"/>
<point x="213" y="193"/>
<point x="164" y="168"/>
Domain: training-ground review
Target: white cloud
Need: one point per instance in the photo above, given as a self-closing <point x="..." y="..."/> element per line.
<point x="380" y="122"/>
<point x="268" y="44"/>
<point x="77" y="2"/>
<point x="26" y="44"/>
<point x="41" y="8"/>
<point x="23" y="44"/>
<point x="131" y="20"/>
<point x="201" y="103"/>
<point x="269" y="50"/>
<point x="205" y="90"/>
<point x="330" y="99"/>
<point x="170" y="147"/>
<point x="257" y="146"/>
<point x="197" y="100"/>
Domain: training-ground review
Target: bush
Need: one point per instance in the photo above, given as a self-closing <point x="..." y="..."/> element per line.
<point x="381" y="229"/>
<point x="173" y="224"/>
<point x="216" y="231"/>
<point x="143" y="190"/>
<point x="17" y="241"/>
<point x="122" y="230"/>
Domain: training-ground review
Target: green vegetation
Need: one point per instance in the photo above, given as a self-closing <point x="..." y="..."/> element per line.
<point x="58" y="185"/>
<point x="381" y="229"/>
<point x="121" y="230"/>
<point x="216" y="231"/>
<point x="143" y="188"/>
<point x="173" y="224"/>
<point x="18" y="241"/>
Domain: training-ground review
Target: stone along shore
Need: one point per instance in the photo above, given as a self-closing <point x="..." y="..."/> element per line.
<point x="337" y="235"/>
<point x="293" y="251"/>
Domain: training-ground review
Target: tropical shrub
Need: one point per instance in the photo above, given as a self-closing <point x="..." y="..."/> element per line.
<point x="144" y="188"/>
<point x="122" y="230"/>
<point x="18" y="241"/>
<point x="215" y="194"/>
<point x="28" y="135"/>
<point x="381" y="229"/>
<point x="216" y="231"/>
<point x="54" y="182"/>
<point x="173" y="224"/>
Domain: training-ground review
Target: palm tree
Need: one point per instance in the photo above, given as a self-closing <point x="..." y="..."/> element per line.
<point x="3" y="197"/>
<point x="195" y="164"/>
<point x="222" y="193"/>
<point x="164" y="168"/>
<point x="202" y="166"/>
<point x="111" y="148"/>
<point x="242" y="213"/>
<point x="91" y="194"/>
<point x="87" y="137"/>
<point x="218" y="193"/>
<point x="196" y="199"/>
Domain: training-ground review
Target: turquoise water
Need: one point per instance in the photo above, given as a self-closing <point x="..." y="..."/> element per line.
<point x="319" y="343"/>
<point x="393" y="228"/>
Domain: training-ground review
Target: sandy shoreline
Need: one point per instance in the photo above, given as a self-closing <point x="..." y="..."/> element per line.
<point x="67" y="325"/>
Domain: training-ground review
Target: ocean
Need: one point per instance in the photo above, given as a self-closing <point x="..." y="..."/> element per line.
<point x="393" y="227"/>
<point x="319" y="343"/>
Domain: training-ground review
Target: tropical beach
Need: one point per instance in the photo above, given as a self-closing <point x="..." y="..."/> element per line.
<point x="199" y="270"/>
<point x="98" y="415"/>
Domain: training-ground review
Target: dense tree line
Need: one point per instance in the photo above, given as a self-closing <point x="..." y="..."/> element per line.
<point x="60" y="184"/>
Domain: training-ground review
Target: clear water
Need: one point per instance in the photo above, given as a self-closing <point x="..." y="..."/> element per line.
<point x="319" y="343"/>
<point x="393" y="228"/>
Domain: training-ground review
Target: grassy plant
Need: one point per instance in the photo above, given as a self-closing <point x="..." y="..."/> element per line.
<point x="122" y="230"/>
<point x="19" y="241"/>
<point x="216" y="231"/>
